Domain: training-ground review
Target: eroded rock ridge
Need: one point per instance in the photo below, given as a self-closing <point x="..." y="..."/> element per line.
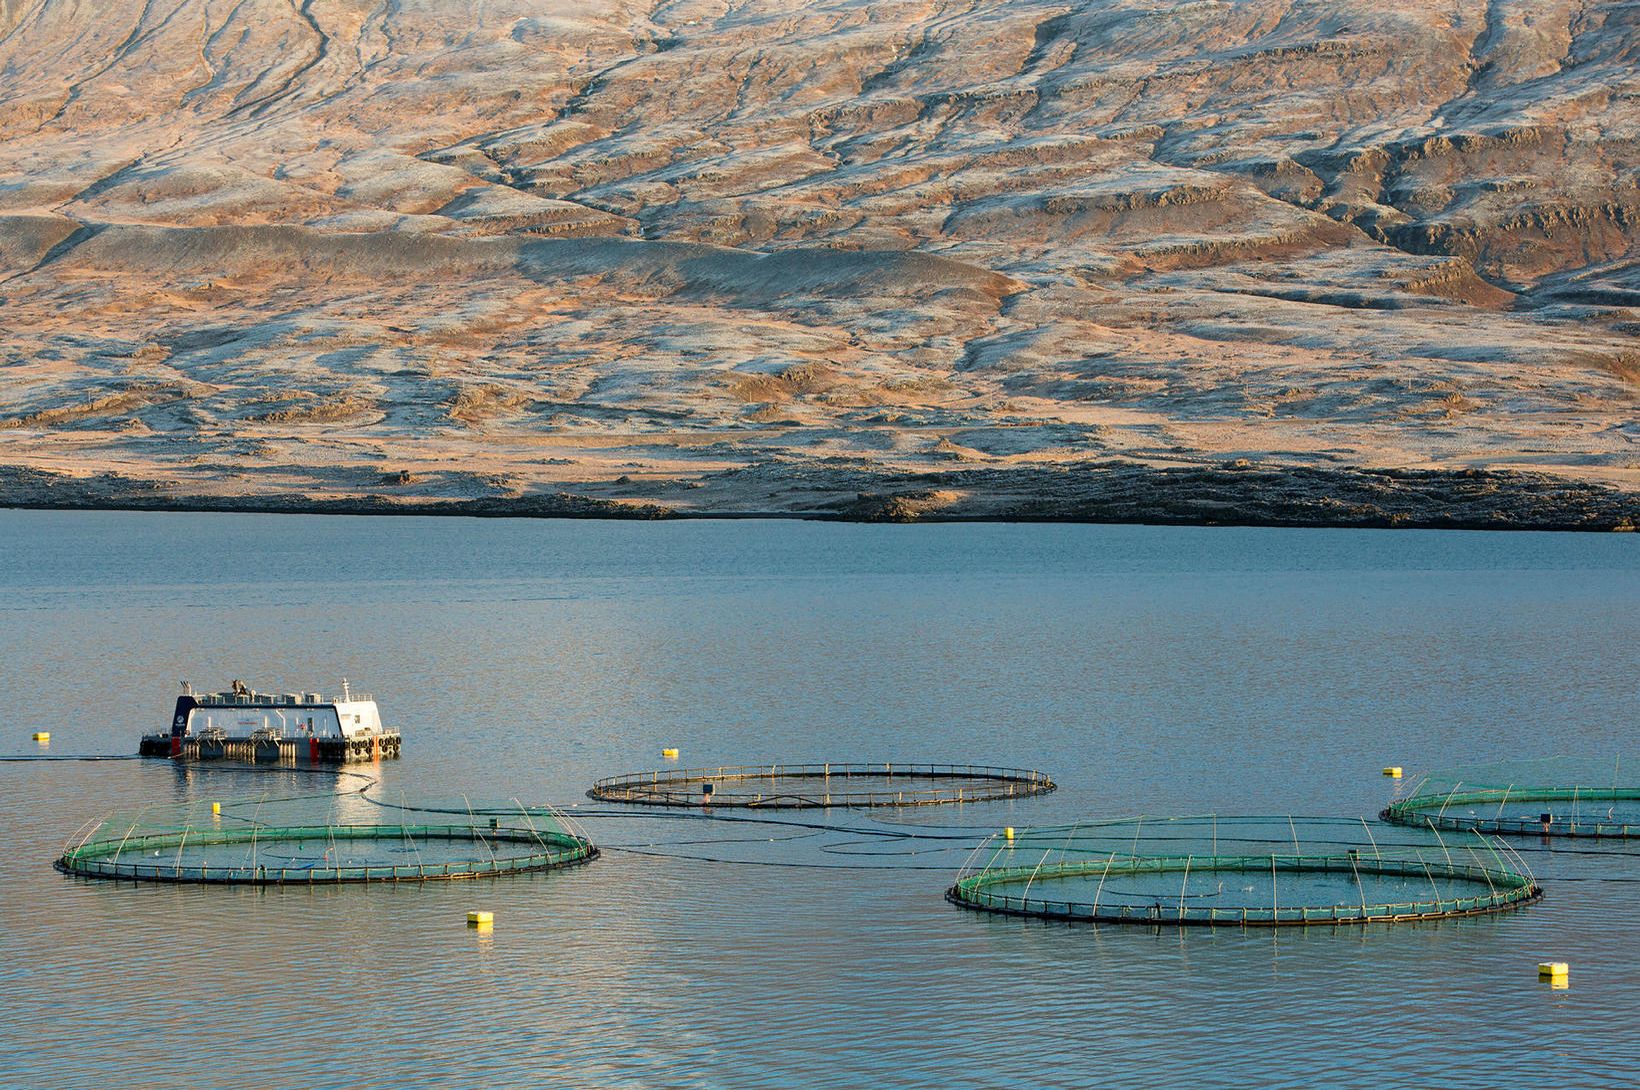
<point x="1352" y="262"/>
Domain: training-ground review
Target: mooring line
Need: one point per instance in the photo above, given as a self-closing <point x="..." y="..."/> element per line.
<point x="22" y="758"/>
<point x="767" y="862"/>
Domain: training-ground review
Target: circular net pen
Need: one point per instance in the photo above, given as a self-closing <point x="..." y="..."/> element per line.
<point x="1558" y="796"/>
<point x="323" y="840"/>
<point x="1241" y="871"/>
<point x="809" y="786"/>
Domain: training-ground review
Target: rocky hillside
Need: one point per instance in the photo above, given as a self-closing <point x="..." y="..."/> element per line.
<point x="1343" y="262"/>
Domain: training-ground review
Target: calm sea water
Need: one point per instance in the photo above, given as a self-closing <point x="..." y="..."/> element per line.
<point x="1150" y="670"/>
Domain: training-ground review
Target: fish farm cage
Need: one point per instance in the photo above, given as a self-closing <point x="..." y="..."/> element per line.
<point x="314" y="840"/>
<point x="808" y="786"/>
<point x="1558" y="796"/>
<point x="1241" y="871"/>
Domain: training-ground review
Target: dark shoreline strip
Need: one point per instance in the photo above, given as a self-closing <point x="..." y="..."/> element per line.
<point x="1238" y="494"/>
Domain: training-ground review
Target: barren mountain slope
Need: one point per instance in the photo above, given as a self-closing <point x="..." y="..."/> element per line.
<point x="1315" y="262"/>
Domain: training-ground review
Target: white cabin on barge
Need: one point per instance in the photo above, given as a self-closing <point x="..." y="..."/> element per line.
<point x="304" y="728"/>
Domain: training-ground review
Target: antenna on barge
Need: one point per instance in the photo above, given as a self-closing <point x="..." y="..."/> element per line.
<point x="346" y="695"/>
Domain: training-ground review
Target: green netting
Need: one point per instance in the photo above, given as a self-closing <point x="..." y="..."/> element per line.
<point x="1557" y="796"/>
<point x="324" y="839"/>
<point x="794" y="786"/>
<point x="1246" y="871"/>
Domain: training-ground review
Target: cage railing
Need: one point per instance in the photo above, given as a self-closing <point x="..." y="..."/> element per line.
<point x="1435" y="810"/>
<point x="1504" y="888"/>
<point x="683" y="786"/>
<point x="102" y="858"/>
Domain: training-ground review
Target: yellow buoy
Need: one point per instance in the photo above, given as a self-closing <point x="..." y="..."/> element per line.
<point x="669" y="754"/>
<point x="216" y="808"/>
<point x="42" y="736"/>
<point x="1008" y="832"/>
<point x="480" y="919"/>
<point x="1393" y="772"/>
<point x="1555" y="971"/>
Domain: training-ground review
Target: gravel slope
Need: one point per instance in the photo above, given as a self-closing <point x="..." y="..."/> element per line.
<point x="1261" y="261"/>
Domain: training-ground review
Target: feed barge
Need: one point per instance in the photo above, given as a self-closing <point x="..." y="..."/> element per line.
<point x="242" y="724"/>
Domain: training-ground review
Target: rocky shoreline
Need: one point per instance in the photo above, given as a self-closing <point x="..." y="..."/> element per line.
<point x="1240" y="494"/>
